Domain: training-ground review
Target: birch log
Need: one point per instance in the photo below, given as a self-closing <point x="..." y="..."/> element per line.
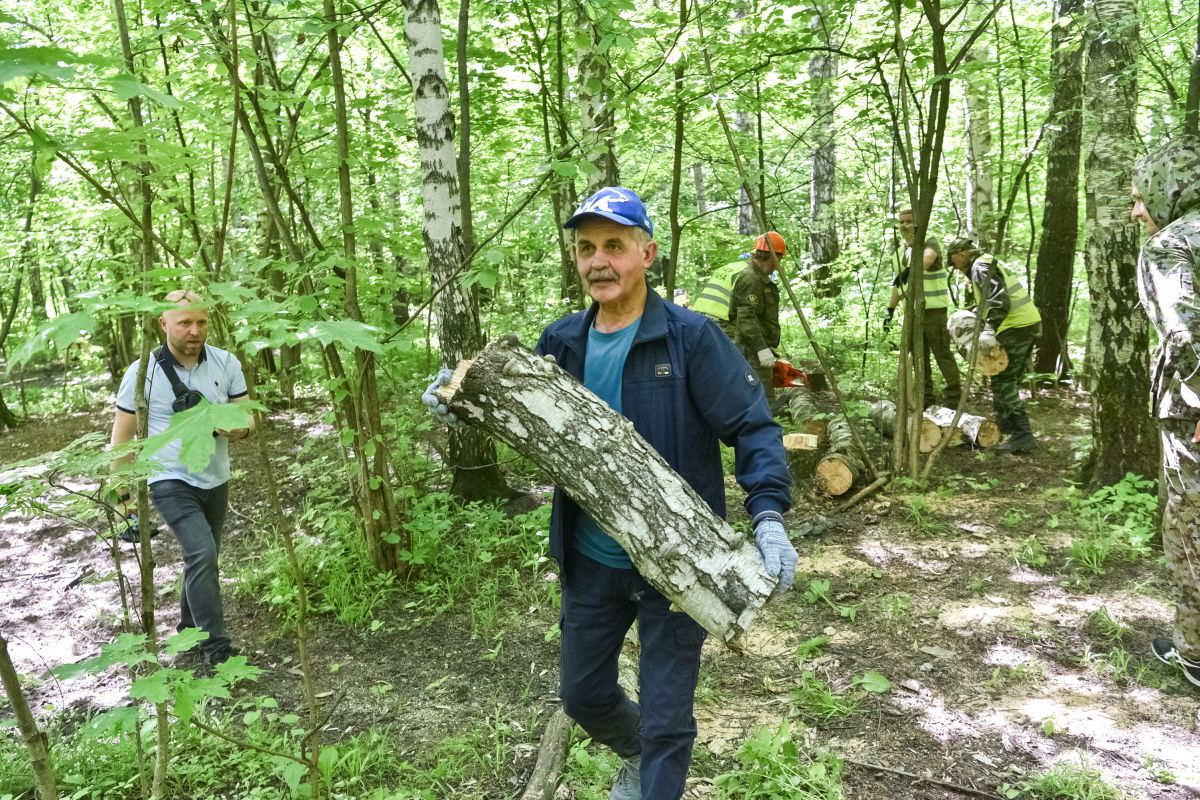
<point x="805" y="414"/>
<point x="962" y="330"/>
<point x="594" y="454"/>
<point x="552" y="757"/>
<point x="883" y="414"/>
<point x="975" y="430"/>
<point x="840" y="468"/>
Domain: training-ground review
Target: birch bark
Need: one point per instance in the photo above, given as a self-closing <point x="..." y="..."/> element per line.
<point x="476" y="475"/>
<point x="1124" y="436"/>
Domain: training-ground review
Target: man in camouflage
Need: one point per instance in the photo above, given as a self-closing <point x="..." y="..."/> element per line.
<point x="1166" y="195"/>
<point x="1014" y="321"/>
<point x="935" y="289"/>
<point x="754" y="308"/>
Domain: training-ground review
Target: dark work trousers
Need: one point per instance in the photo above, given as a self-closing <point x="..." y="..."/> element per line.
<point x="197" y="518"/>
<point x="599" y="605"/>
<point x="937" y="344"/>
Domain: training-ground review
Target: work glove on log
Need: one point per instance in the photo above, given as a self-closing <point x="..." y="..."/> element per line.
<point x="435" y="406"/>
<point x="778" y="555"/>
<point x="988" y="344"/>
<point x="766" y="358"/>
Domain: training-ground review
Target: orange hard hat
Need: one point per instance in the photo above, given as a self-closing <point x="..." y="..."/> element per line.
<point x="777" y="243"/>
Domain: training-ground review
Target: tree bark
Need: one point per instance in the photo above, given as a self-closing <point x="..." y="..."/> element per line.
<point x="473" y="456"/>
<point x="980" y="190"/>
<point x="840" y="469"/>
<point x="1052" y="285"/>
<point x="35" y="741"/>
<point x="594" y="454"/>
<point x="823" y="237"/>
<point x="962" y="326"/>
<point x="595" y="113"/>
<point x="552" y="757"/>
<point x="883" y="414"/>
<point x="978" y="431"/>
<point x="672" y="265"/>
<point x="1124" y="435"/>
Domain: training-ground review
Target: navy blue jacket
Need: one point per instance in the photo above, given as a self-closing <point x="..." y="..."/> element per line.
<point x="685" y="387"/>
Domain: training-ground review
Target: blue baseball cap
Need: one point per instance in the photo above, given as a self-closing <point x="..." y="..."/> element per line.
<point x="621" y="205"/>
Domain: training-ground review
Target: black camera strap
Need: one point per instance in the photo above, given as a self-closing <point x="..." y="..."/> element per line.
<point x="177" y="386"/>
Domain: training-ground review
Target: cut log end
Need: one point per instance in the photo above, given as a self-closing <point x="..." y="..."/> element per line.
<point x="835" y="475"/>
<point x="447" y="392"/>
<point x="993" y="363"/>
<point x="988" y="435"/>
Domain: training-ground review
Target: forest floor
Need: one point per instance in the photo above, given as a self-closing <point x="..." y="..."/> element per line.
<point x="997" y="669"/>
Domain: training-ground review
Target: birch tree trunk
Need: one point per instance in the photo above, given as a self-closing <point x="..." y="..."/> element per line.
<point x="1125" y="439"/>
<point x="594" y="454"/>
<point x="595" y="114"/>
<point x="701" y="192"/>
<point x="1060" y="211"/>
<point x="473" y="456"/>
<point x="822" y="237"/>
<point x="980" y="204"/>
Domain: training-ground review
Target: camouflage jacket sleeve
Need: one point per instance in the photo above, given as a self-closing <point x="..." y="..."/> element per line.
<point x="749" y="298"/>
<point x="988" y="281"/>
<point x="1171" y="269"/>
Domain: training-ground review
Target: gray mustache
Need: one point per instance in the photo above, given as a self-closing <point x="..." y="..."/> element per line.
<point x="605" y="275"/>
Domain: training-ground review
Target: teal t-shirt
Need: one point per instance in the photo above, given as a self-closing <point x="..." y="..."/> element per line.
<point x="602" y="370"/>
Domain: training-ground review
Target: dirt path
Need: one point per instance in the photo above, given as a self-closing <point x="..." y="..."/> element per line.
<point x="984" y="655"/>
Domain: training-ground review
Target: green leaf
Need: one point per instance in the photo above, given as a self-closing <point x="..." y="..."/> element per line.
<point x="346" y="332"/>
<point x="194" y="430"/>
<point x="236" y="669"/>
<point x="565" y="169"/>
<point x="874" y="682"/>
<point x="52" y="63"/>
<point x="114" y="721"/>
<point x="186" y="639"/>
<point x="60" y="332"/>
<point x="152" y="688"/>
<point x="127" y="649"/>
<point x="126" y="88"/>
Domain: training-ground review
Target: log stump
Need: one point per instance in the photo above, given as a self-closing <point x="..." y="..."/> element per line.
<point x="840" y="468"/>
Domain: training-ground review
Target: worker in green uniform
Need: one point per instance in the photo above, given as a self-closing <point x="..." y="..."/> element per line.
<point x="754" y="307"/>
<point x="935" y="289"/>
<point x="1014" y="321"/>
<point x="713" y="301"/>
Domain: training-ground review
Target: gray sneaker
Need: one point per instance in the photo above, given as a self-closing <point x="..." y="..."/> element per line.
<point x="628" y="783"/>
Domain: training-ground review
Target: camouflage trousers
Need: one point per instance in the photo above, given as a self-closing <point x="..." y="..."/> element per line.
<point x="1181" y="529"/>
<point x="1006" y="387"/>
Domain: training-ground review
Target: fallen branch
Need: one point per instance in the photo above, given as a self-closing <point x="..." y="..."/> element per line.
<point x="954" y="787"/>
<point x="552" y="757"/>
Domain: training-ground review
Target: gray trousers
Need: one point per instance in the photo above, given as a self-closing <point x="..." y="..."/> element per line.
<point x="197" y="518"/>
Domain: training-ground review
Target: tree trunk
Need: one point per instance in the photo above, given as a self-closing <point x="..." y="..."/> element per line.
<point x="35" y="740"/>
<point x="672" y="265"/>
<point x="595" y="114"/>
<point x="464" y="130"/>
<point x="745" y="219"/>
<point x="473" y="456"/>
<point x="698" y="185"/>
<point x="980" y="204"/>
<point x="1060" y="212"/>
<point x="806" y="416"/>
<point x="822" y="237"/>
<point x="594" y="454"/>
<point x="1125" y="438"/>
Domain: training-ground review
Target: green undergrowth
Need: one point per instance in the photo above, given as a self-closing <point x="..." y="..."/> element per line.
<point x="471" y="558"/>
<point x="370" y="766"/>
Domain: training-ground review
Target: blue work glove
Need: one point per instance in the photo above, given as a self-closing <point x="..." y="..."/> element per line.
<point x="779" y="557"/>
<point x="436" y="406"/>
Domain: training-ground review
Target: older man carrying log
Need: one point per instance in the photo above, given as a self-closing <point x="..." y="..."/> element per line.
<point x="685" y="388"/>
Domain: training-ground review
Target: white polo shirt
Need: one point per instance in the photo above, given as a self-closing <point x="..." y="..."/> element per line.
<point x="218" y="376"/>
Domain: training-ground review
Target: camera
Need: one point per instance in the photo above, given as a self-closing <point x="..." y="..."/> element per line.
<point x="131" y="535"/>
<point x="188" y="399"/>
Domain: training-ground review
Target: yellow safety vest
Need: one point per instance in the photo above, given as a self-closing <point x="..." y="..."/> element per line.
<point x="1021" y="310"/>
<point x="715" y="296"/>
<point x="933" y="284"/>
